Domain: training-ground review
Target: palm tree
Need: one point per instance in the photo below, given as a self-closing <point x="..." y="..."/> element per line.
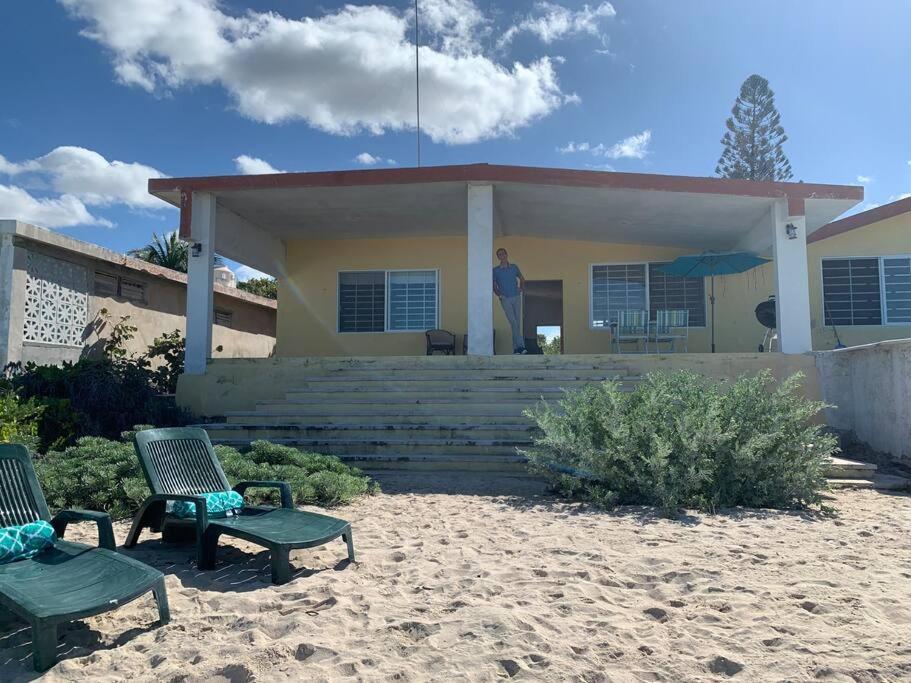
<point x="168" y="251"/>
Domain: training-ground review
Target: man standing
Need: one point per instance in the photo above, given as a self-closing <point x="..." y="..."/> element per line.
<point x="508" y="284"/>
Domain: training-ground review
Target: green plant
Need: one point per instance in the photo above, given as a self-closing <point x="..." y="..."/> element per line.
<point x="262" y="286"/>
<point x="168" y="251"/>
<point x="19" y="419"/>
<point x="315" y="479"/>
<point x="683" y="440"/>
<point x="103" y="474"/>
<point x="114" y="345"/>
<point x="169" y="350"/>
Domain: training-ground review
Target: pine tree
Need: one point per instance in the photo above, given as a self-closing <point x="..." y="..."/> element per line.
<point x="754" y="138"/>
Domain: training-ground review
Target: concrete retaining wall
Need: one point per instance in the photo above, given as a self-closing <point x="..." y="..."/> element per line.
<point x="870" y="386"/>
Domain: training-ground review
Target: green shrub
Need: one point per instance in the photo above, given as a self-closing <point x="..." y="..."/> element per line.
<point x="19" y="419"/>
<point x="101" y="474"/>
<point x="683" y="440"/>
<point x="315" y="479"/>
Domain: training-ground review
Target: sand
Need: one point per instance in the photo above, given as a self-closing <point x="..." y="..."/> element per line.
<point x="482" y="587"/>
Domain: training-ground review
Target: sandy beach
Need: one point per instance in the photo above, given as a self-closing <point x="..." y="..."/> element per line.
<point x="473" y="585"/>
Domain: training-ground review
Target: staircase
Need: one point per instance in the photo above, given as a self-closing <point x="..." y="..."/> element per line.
<point x="452" y="413"/>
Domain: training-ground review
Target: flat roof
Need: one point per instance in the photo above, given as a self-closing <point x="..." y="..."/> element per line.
<point x="708" y="213"/>
<point x="862" y="219"/>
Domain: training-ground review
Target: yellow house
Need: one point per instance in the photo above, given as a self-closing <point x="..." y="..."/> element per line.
<point x="369" y="260"/>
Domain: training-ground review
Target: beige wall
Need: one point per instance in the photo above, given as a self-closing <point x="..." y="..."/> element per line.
<point x="251" y="333"/>
<point x="307" y="315"/>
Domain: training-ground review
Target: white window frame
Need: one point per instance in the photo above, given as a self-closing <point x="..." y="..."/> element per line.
<point x="883" y="308"/>
<point x="648" y="302"/>
<point x="386" y="272"/>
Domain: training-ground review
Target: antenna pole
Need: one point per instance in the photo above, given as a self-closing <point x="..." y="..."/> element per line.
<point x="417" y="78"/>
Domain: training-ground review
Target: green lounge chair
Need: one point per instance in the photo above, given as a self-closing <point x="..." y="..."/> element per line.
<point x="69" y="581"/>
<point x="180" y="464"/>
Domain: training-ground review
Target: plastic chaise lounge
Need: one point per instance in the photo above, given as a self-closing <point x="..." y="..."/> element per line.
<point x="68" y="581"/>
<point x="179" y="465"/>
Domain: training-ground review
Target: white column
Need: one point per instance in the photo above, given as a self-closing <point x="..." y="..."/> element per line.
<point x="792" y="285"/>
<point x="200" y="282"/>
<point x="480" y="270"/>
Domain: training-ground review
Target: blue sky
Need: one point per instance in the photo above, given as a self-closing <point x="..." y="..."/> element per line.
<point x="100" y="94"/>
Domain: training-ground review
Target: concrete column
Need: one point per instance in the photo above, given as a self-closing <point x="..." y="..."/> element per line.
<point x="7" y="300"/>
<point x="480" y="265"/>
<point x="200" y="282"/>
<point x="792" y="285"/>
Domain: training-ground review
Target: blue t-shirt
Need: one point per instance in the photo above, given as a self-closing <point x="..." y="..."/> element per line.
<point x="507" y="279"/>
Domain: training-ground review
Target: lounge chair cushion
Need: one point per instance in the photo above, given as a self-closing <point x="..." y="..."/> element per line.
<point x="25" y="540"/>
<point x="218" y="504"/>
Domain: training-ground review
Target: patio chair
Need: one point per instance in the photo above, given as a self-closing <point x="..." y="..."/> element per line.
<point x="440" y="340"/>
<point x="180" y="465"/>
<point x="68" y="581"/>
<point x="631" y="327"/>
<point x="669" y="327"/>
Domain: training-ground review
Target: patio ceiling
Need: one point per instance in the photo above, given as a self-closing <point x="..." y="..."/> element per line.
<point x="698" y="213"/>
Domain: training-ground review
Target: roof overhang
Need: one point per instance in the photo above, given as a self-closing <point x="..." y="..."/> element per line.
<point x="690" y="212"/>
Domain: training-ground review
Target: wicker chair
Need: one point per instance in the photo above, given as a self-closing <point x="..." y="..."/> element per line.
<point x="440" y="341"/>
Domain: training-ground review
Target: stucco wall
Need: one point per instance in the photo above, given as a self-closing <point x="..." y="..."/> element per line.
<point x="250" y="335"/>
<point x="307" y="316"/>
<point x="870" y="387"/>
<point x="237" y="384"/>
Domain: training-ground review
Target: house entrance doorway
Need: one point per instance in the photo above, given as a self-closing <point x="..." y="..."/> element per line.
<point x="543" y="312"/>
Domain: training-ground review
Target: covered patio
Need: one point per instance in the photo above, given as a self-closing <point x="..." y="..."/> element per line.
<point x="275" y="223"/>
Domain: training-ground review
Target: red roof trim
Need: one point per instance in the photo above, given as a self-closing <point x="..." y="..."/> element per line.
<point x="515" y="174"/>
<point x="860" y="220"/>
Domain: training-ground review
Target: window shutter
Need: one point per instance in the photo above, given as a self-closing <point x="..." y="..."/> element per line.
<point x="362" y="301"/>
<point x="851" y="291"/>
<point x="617" y="288"/>
<point x="676" y="293"/>
<point x="413" y="300"/>
<point x="897" y="287"/>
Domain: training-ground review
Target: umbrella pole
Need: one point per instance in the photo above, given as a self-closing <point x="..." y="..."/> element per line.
<point x="712" y="299"/>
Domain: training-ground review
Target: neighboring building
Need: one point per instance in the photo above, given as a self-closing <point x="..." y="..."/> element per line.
<point x="53" y="290"/>
<point x="225" y="277"/>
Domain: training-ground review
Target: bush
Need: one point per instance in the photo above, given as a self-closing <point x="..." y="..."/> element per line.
<point x="315" y="479"/>
<point x="101" y="474"/>
<point x="683" y="440"/>
<point x="19" y="419"/>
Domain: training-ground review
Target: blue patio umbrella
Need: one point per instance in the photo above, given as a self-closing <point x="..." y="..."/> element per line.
<point x="712" y="263"/>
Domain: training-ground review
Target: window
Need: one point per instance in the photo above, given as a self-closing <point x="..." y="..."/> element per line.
<point x="642" y="286"/>
<point x="223" y="318"/>
<point x="867" y="291"/>
<point x="111" y="285"/>
<point x="132" y="290"/>
<point x="388" y="301"/>
<point x="361" y="298"/>
<point x="897" y="288"/>
<point x="676" y="293"/>
<point x="617" y="288"/>
<point x="412" y="300"/>
<point x="105" y="284"/>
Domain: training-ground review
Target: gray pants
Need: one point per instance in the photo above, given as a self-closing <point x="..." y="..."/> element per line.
<point x="512" y="307"/>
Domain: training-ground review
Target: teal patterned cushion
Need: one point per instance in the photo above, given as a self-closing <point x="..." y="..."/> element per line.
<point x="25" y="541"/>
<point x="218" y="504"/>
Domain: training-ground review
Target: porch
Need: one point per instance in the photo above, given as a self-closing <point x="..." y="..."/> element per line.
<point x="340" y="243"/>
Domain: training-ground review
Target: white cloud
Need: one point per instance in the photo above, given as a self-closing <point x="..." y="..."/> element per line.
<point x="345" y="72"/>
<point x="90" y="177"/>
<point x="55" y="212"/>
<point x="245" y="273"/>
<point x="254" y="166"/>
<point x="367" y="159"/>
<point x="551" y="22"/>
<point x="864" y="179"/>
<point x="633" y="147"/>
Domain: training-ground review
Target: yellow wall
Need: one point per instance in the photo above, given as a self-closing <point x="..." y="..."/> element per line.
<point x="307" y="312"/>
<point x="884" y="238"/>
